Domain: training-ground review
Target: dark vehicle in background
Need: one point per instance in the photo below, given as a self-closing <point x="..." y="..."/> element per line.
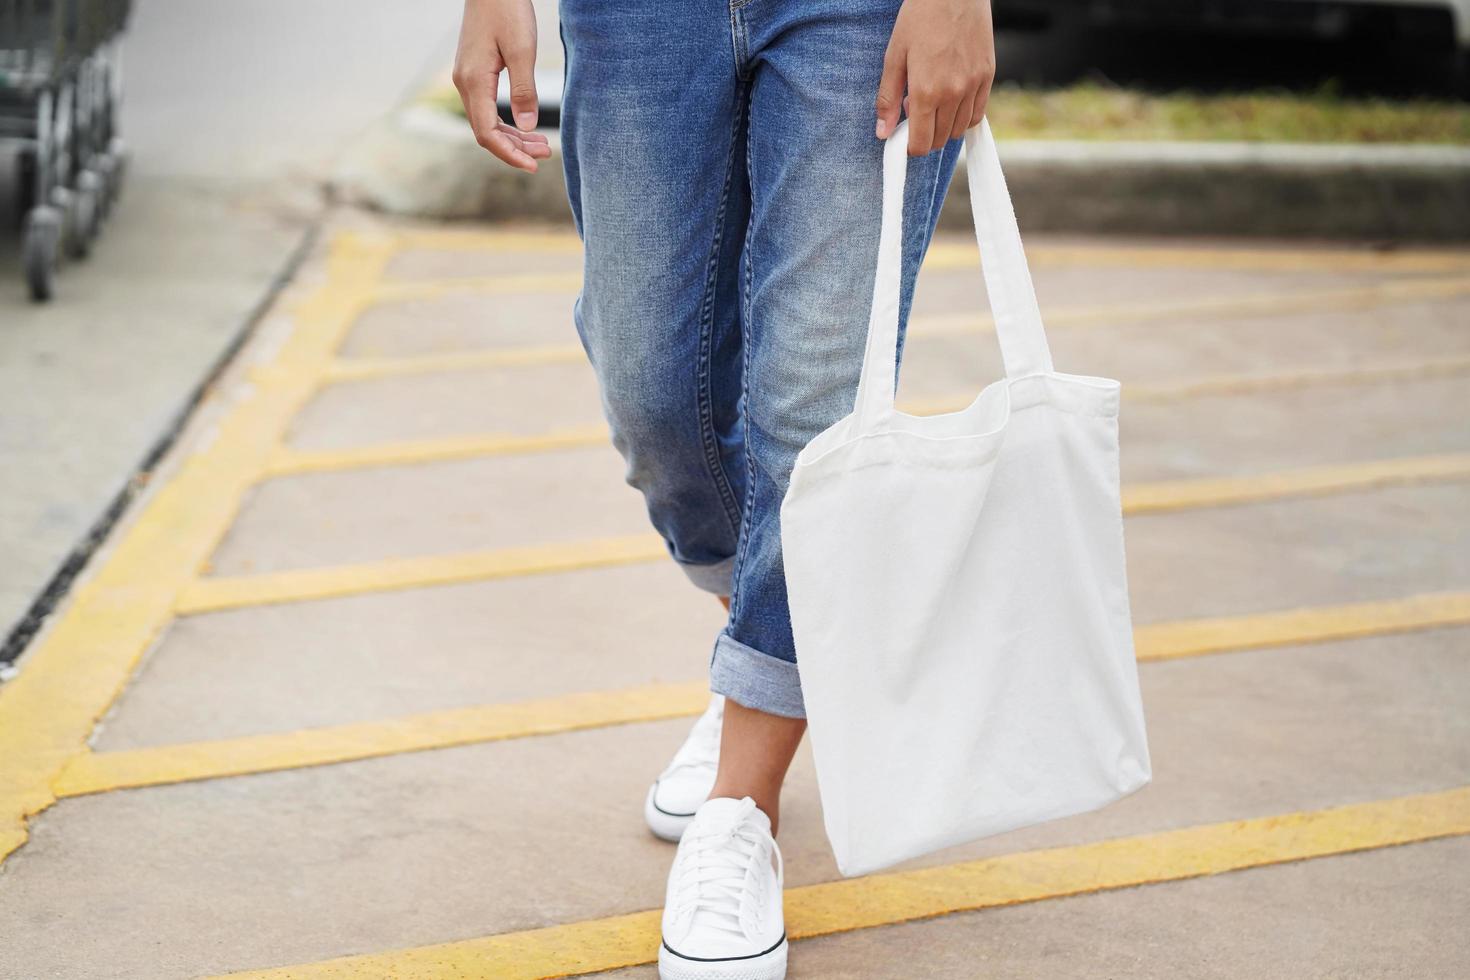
<point x="1438" y="28"/>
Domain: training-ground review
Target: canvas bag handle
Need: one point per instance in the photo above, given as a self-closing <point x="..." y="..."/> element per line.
<point x="1018" y="326"/>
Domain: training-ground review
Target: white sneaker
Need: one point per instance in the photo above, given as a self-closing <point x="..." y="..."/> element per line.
<point x="679" y="789"/>
<point x="722" y="914"/>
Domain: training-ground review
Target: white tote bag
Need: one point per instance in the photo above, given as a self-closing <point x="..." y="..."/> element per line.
<point x="957" y="584"/>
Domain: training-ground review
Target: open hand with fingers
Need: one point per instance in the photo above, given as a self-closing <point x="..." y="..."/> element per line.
<point x="943" y="53"/>
<point x="497" y="36"/>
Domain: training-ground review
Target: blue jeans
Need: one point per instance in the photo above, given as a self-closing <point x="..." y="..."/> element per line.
<point x="726" y="182"/>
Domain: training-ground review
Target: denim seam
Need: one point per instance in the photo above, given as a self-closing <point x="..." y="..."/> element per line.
<point x="744" y="542"/>
<point x="705" y="395"/>
<point x="739" y="42"/>
<point x="933" y="193"/>
<point x="928" y="224"/>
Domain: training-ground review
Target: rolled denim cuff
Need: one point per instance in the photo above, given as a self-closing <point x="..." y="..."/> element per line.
<point x="756" y="680"/>
<point x="716" y="578"/>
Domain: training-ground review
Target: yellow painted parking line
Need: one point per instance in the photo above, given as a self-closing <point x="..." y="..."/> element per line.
<point x="1339" y="261"/>
<point x="234" y="592"/>
<point x="136" y="768"/>
<point x="1356" y="298"/>
<point x="832" y="907"/>
<point x="1248" y="384"/>
<point x="96" y="772"/>
<point x="393" y="574"/>
<point x="1291" y="303"/>
<point x="1173" y="495"/>
<point x="76" y="669"/>
<point x="372" y="368"/>
<point x="1292" y="627"/>
<point x="537" y="241"/>
<point x="495" y="285"/>
<point x="288" y="460"/>
<point x="1158" y="496"/>
<point x="961" y="252"/>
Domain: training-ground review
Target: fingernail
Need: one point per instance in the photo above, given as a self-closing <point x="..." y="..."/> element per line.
<point x="526" y="120"/>
<point x="882" y="129"/>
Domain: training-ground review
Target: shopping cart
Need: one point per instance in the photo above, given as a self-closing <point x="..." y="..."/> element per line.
<point x="60" y="82"/>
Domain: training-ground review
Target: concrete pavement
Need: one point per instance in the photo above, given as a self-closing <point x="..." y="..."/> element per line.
<point x="234" y="114"/>
<point x="385" y="659"/>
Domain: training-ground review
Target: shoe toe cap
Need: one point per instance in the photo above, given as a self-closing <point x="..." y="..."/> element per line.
<point x="679" y="795"/>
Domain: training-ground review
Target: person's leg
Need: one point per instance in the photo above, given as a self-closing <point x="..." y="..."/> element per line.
<point x="815" y="171"/>
<point x="755" y="752"/>
<point x="653" y="148"/>
<point x="653" y="137"/>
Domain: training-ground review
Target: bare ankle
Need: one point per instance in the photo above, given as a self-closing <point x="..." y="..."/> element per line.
<point x="755" y="751"/>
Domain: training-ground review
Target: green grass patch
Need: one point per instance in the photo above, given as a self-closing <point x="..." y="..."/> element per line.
<point x="1091" y="111"/>
<point x="1097" y="112"/>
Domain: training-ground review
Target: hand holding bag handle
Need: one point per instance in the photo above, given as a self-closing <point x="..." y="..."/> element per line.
<point x="1017" y="318"/>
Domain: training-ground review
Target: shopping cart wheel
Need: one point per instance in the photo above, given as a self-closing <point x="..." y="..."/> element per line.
<point x="64" y="203"/>
<point x="25" y="183"/>
<point x="117" y="152"/>
<point x="40" y="247"/>
<point x="88" y="215"/>
<point x="102" y="164"/>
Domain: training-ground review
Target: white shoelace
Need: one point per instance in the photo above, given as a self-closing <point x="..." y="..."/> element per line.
<point x="714" y="879"/>
<point x="701" y="750"/>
